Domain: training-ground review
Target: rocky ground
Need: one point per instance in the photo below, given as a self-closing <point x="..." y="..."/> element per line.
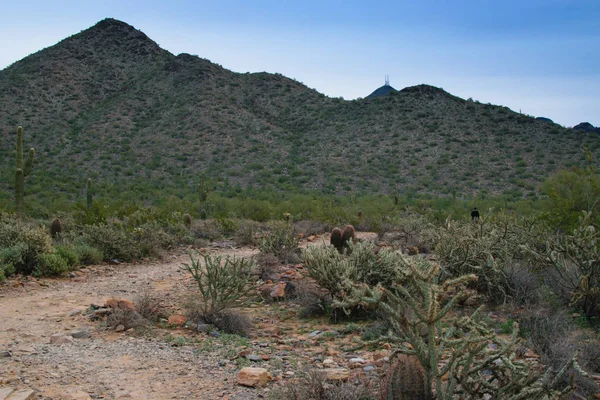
<point x="49" y="344"/>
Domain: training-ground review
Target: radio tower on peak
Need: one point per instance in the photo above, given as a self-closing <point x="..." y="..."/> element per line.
<point x="387" y="80"/>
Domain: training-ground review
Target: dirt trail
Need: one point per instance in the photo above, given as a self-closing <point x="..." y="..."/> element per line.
<point x="107" y="365"/>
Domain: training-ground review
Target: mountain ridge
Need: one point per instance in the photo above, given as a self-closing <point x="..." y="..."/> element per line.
<point x="109" y="103"/>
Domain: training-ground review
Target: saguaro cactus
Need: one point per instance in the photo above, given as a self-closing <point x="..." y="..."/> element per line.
<point x="21" y="172"/>
<point x="88" y="193"/>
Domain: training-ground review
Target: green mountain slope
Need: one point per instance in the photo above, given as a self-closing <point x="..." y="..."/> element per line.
<point x="111" y="104"/>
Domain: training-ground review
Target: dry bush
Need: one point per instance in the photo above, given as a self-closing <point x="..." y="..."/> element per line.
<point x="550" y="334"/>
<point x="148" y="306"/>
<point x="232" y="321"/>
<point x="524" y="284"/>
<point x="314" y="386"/>
<point x="267" y="265"/>
<point x="282" y="241"/>
<point x="127" y="318"/>
<point x="247" y="231"/>
<point x="208" y="229"/>
<point x="310" y="228"/>
<point x="313" y="302"/>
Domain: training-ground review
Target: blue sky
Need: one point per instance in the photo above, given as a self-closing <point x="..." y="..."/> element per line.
<point x="538" y="56"/>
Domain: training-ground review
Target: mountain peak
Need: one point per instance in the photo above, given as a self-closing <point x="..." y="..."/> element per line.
<point x="382" y="91"/>
<point x="110" y="33"/>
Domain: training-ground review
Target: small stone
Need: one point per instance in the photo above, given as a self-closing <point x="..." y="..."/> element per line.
<point x="265" y="357"/>
<point x="177" y="320"/>
<point x="73" y="313"/>
<point x="215" y="334"/>
<point x="60" y="339"/>
<point x="204" y="328"/>
<point x="289" y="373"/>
<point x="21" y="394"/>
<point x="315" y="334"/>
<point x="368" y="368"/>
<point x="356" y="360"/>
<point x="328" y="361"/>
<point x="336" y="374"/>
<point x="80" y="333"/>
<point x="278" y="291"/>
<point x="310" y="238"/>
<point x="254" y="377"/>
<point x="5" y="354"/>
<point x="222" y="363"/>
<point x="120" y="328"/>
<point x="253" y="357"/>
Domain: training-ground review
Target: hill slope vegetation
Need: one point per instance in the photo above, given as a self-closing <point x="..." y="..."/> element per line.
<point x="110" y="104"/>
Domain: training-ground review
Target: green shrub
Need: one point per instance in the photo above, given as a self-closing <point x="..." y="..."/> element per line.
<point x="52" y="264"/>
<point x="27" y="244"/>
<point x="69" y="254"/>
<point x="112" y="241"/>
<point x="88" y="255"/>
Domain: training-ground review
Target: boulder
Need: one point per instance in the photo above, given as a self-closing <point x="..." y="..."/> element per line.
<point x="254" y="377"/>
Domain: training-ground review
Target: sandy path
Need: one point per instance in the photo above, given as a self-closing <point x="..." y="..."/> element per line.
<point x="108" y="365"/>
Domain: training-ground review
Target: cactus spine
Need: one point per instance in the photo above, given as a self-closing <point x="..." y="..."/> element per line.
<point x="21" y="172"/>
<point x="88" y="193"/>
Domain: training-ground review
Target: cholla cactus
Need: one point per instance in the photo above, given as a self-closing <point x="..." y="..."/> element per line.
<point x="576" y="258"/>
<point x="21" y="172"/>
<point x="472" y="368"/>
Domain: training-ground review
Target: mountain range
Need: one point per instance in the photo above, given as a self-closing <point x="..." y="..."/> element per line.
<point x="110" y="104"/>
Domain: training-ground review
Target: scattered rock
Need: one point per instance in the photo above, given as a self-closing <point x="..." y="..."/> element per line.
<point x="123" y="304"/>
<point x="328" y="361"/>
<point x="83" y="333"/>
<point x="369" y="368"/>
<point x="254" y="377"/>
<point x="120" y="328"/>
<point x="215" y="334"/>
<point x="314" y="334"/>
<point x="61" y="339"/>
<point x="336" y="374"/>
<point x="253" y="357"/>
<point x="278" y="291"/>
<point x="5" y="354"/>
<point x="177" y="320"/>
<point x="17" y="394"/>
